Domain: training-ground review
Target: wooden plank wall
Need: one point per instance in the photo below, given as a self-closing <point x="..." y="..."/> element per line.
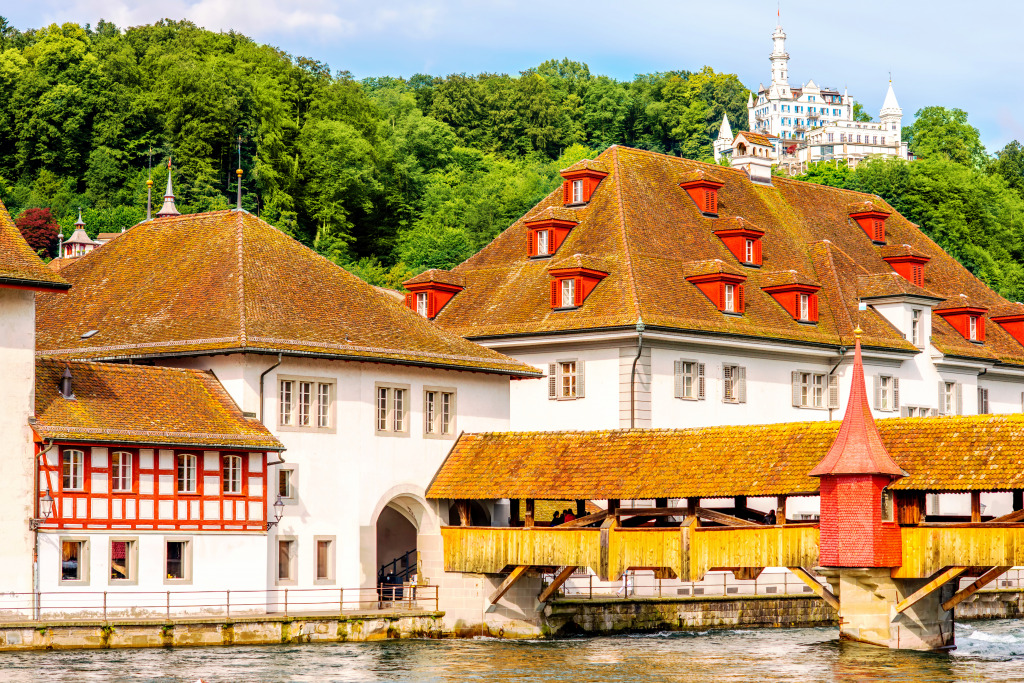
<point x="928" y="549"/>
<point x="489" y="550"/>
<point x="771" y="546"/>
<point x="646" y="548"/>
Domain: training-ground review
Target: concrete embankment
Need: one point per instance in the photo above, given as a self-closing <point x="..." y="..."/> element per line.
<point x="256" y="630"/>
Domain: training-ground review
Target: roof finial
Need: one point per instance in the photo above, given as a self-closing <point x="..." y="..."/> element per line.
<point x="238" y="172"/>
<point x="149" y="187"/>
<point x="858" y="332"/>
<point x="168" y="209"/>
<point x="80" y="222"/>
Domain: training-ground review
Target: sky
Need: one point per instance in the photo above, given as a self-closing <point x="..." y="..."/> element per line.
<point x="939" y="52"/>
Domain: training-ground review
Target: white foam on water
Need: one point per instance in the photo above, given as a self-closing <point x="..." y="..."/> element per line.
<point x="990" y="638"/>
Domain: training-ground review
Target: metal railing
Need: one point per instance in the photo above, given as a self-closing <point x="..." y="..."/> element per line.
<point x="644" y="584"/>
<point x="402" y="567"/>
<point x="166" y="605"/>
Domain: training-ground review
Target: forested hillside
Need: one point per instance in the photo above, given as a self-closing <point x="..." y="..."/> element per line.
<point x="389" y="176"/>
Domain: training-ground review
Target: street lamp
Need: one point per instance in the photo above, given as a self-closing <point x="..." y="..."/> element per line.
<point x="45" y="511"/>
<point x="278" y="513"/>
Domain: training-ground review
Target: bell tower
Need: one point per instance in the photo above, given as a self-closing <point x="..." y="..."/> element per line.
<point x="779" y="58"/>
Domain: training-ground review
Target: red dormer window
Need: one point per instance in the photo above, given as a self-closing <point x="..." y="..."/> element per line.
<point x="725" y="290"/>
<point x="871" y="219"/>
<point x="799" y="300"/>
<point x="581" y="180"/>
<point x="910" y="265"/>
<point x="703" y="190"/>
<point x="545" y="236"/>
<point x="742" y="239"/>
<point x="571" y="286"/>
<point x="431" y="291"/>
<point x="969" y="321"/>
<point x="1013" y="323"/>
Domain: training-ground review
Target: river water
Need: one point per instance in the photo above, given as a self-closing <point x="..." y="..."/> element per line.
<point x="990" y="650"/>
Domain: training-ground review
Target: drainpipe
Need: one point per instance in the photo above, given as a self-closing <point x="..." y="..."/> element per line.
<point x="842" y="354"/>
<point x="632" y="372"/>
<point x="35" y="532"/>
<point x="262" y="375"/>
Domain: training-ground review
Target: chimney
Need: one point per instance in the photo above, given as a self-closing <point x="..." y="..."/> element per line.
<point x="65" y="384"/>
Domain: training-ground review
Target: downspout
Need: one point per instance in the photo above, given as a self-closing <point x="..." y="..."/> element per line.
<point x="632" y="372"/>
<point x="842" y="354"/>
<point x="262" y="375"/>
<point x="35" y="530"/>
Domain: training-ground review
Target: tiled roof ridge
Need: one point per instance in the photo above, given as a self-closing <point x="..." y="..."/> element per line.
<point x="239" y="229"/>
<point x="51" y="429"/>
<point x="843" y="309"/>
<point x="960" y="300"/>
<point x="629" y="273"/>
<point x="710" y="265"/>
<point x="772" y="278"/>
<point x="120" y="367"/>
<point x="901" y="285"/>
<point x="684" y="161"/>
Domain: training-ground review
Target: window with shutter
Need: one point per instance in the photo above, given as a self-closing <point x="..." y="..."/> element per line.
<point x="895" y="404"/>
<point x="982" y="401"/>
<point x="678" y="374"/>
<point x="959" y="399"/>
<point x="741" y="385"/>
<point x="555" y="284"/>
<point x="701" y="383"/>
<point x="530" y="237"/>
<point x="739" y="298"/>
<point x="833" y="391"/>
<point x="727" y="387"/>
<point x="878" y="393"/>
<point x="565" y="192"/>
<point x="577" y="291"/>
<point x="552" y="381"/>
<point x="580" y="384"/>
<point x="798" y="399"/>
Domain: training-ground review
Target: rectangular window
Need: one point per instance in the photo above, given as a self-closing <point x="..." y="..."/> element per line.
<point x="568" y="293"/>
<point x="285" y="416"/>
<point x="305" y="401"/>
<point x="730" y="299"/>
<point x="429" y="411"/>
<point x="884" y="394"/>
<point x="748" y="252"/>
<point x="73" y="470"/>
<point x="972" y="328"/>
<point x="815" y="390"/>
<point x="567" y="372"/>
<point x="982" y="401"/>
<point x="324" y="560"/>
<point x="438" y="412"/>
<point x="186" y="473"/>
<point x="421" y="303"/>
<point x="734" y="384"/>
<point x="232" y="470"/>
<point x="948" y="395"/>
<point x="382" y="408"/>
<point x="178" y="560"/>
<point x="323" y="405"/>
<point x="286" y="484"/>
<point x="542" y="242"/>
<point x="121" y="471"/>
<point x="398" y="410"/>
<point x="805" y="306"/>
<point x="887" y="508"/>
<point x="689" y="380"/>
<point x="392" y="409"/>
<point x="915" y="327"/>
<point x="286" y="560"/>
<point x="577" y="191"/>
<point x="73" y="564"/>
<point x="122" y="561"/>
<point x="447" y="412"/>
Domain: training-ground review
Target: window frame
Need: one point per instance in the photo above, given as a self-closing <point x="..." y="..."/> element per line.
<point x="80" y="488"/>
<point x="734" y="381"/>
<point x="543" y="237"/>
<point x="577" y="197"/>
<point x="556" y="381"/>
<point x="332" y="555"/>
<point x="423" y="304"/>
<point x="293" y="484"/>
<point x="972" y="328"/>
<point x="118" y="473"/>
<point x="916" y="323"/>
<point x="696" y="374"/>
<point x="804" y="306"/>
<point x="285" y="417"/>
<point x="887" y="507"/>
<point x="389" y="414"/>
<point x="293" y="561"/>
<point x="567" y="288"/>
<point x="433" y="412"/>
<point x="729" y="298"/>
<point x="131" y="560"/>
<point x="238" y="477"/>
<point x="186" y="560"/>
<point x="984" y="407"/>
<point x="183" y="458"/>
<point x="748" y="250"/>
<point x="292" y="422"/>
<point x="83" y="561"/>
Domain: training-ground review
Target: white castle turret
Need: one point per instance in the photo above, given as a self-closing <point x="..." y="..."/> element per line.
<point x="891" y="115"/>
<point x="723" y="143"/>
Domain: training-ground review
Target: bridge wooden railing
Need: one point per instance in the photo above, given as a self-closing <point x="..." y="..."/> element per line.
<point x="929" y="548"/>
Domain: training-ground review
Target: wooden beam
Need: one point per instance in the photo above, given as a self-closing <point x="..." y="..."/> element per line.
<point x="938" y="581"/>
<point x="651" y="512"/>
<point x="613" y="504"/>
<point x="513" y="508"/>
<point x="516" y="574"/>
<point x="780" y="510"/>
<point x="821" y="591"/>
<point x="909" y="507"/>
<point x="561" y="578"/>
<point x="986" y="578"/>
<point x="1015" y="516"/>
<point x="691" y="505"/>
<point x="584" y="521"/>
<point x="581" y="508"/>
<point x="739" y="503"/>
<point x="724" y="519"/>
<point x="975" y="506"/>
<point x="661" y="503"/>
<point x="530" y="506"/>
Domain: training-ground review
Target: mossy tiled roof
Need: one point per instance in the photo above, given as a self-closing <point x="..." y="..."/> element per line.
<point x="19" y="265"/>
<point x="227" y="281"/>
<point x="648" y="230"/>
<point x="446" y="277"/>
<point x="977" y="452"/>
<point x="135" y="404"/>
<point x="879" y="285"/>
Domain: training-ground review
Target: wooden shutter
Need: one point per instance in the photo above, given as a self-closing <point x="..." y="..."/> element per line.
<point x="795" y="376"/>
<point x="959" y="399"/>
<point x="531" y="242"/>
<point x="878" y="393"/>
<point x="579" y="379"/>
<point x="812" y="306"/>
<point x="578" y="292"/>
<point x="942" y="397"/>
<point x="678" y="371"/>
<point x="727" y="390"/>
<point x="409" y="301"/>
<point x="739" y="299"/>
<point x="757" y="252"/>
<point x="552" y="380"/>
<point x="741" y="385"/>
<point x="895" y="394"/>
<point x="701" y="384"/>
<point x="566" y="190"/>
<point x="721" y="296"/>
<point x="833" y="391"/>
<point x="904" y="412"/>
<point x="554" y="293"/>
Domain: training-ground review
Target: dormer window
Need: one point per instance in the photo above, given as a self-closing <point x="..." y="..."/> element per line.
<point x="580" y="181"/>
<point x="748" y="250"/>
<point x="703" y="190"/>
<point x="568" y="297"/>
<point x="572" y="282"/>
<point x="907" y="262"/>
<point x="968" y="320"/>
<point x="577" y="192"/>
<point x="1011" y="318"/>
<point x="421" y="304"/>
<point x="542" y="242"/>
<point x="730" y="299"/>
<point x="871" y="218"/>
<point x="795" y="293"/>
<point x="429" y="292"/>
<point x="972" y="328"/>
<point x="720" y="284"/>
<point x="805" y="307"/>
<point x="546" y="231"/>
<point x="742" y="238"/>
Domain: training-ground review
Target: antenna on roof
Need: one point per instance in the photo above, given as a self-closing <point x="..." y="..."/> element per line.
<point x="149" y="187"/>
<point x="238" y="172"/>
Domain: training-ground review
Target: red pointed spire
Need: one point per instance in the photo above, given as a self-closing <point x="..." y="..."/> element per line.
<point x="858" y="448"/>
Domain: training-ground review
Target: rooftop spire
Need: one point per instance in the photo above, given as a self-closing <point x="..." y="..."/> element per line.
<point x="890" y="107"/>
<point x="238" y="172"/>
<point x="149" y="188"/>
<point x="80" y="223"/>
<point x="858" y="448"/>
<point x="168" y="209"/>
<point x="725" y="131"/>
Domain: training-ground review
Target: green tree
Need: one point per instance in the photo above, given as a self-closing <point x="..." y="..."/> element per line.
<point x="859" y="113"/>
<point x="1009" y="164"/>
<point x="938" y="132"/>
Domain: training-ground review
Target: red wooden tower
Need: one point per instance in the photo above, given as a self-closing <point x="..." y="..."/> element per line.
<point x="858" y="514"/>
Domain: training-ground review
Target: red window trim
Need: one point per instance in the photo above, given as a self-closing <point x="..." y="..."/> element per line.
<point x="788" y="296"/>
<point x="713" y="287"/>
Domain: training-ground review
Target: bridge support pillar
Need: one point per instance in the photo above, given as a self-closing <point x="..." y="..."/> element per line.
<point x="867" y="601"/>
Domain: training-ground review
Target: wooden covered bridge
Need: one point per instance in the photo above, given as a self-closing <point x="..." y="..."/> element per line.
<point x="890" y="566"/>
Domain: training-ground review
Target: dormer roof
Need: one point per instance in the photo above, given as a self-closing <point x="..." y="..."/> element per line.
<point x="858" y="448"/>
<point x="710" y="267"/>
<point x="883" y="285"/>
<point x="868" y="206"/>
<point x="436" y="276"/>
<point x="960" y="302"/>
<point x="581" y="261"/>
<point x="738" y="223"/>
<point x="552" y="213"/>
<point x="585" y="165"/>
<point x="787" y="278"/>
<point x="754" y="138"/>
<point x="891" y="251"/>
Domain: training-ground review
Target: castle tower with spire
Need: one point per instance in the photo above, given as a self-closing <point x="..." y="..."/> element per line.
<point x="723" y="143"/>
<point x="809" y="123"/>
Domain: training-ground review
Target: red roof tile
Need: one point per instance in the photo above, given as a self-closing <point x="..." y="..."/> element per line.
<point x="19" y="265"/>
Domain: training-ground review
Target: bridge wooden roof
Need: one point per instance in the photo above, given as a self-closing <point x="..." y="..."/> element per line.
<point x="956" y="453"/>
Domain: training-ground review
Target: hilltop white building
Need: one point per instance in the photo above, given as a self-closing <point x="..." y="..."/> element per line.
<point x="810" y="123"/>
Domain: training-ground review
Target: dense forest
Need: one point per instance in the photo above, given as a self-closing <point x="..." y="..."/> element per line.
<point x="388" y="176"/>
